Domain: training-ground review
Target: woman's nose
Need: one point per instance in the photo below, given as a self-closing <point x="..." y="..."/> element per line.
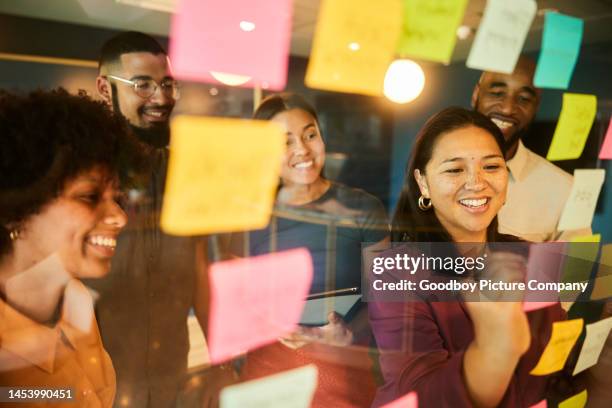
<point x="115" y="215"/>
<point x="474" y="181"/>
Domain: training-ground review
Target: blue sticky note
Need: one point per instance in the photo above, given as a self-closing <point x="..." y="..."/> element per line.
<point x="560" y="48"/>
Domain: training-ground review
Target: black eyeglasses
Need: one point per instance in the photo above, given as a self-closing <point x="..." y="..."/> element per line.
<point x="145" y="88"/>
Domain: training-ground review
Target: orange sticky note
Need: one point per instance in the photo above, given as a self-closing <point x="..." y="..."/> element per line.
<point x="606" y="147"/>
<point x="256" y="300"/>
<point x="563" y="338"/>
<point x="222" y="175"/>
<point x="577" y="401"/>
<point x="353" y="45"/>
<point x="409" y="400"/>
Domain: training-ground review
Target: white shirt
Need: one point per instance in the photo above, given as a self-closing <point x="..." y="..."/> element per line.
<point x="537" y="192"/>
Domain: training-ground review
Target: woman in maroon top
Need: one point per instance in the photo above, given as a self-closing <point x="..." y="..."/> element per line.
<point x="459" y="354"/>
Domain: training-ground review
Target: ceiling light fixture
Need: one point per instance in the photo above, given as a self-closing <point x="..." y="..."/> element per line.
<point x="404" y="81"/>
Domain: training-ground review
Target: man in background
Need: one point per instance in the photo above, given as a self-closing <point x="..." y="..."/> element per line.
<point x="537" y="189"/>
<point x="146" y="299"/>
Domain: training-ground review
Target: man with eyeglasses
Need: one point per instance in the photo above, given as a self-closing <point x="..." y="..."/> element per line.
<point x="145" y="301"/>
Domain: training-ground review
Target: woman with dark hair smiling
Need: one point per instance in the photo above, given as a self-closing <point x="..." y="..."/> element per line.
<point x="331" y="220"/>
<point x="61" y="158"/>
<point x="459" y="353"/>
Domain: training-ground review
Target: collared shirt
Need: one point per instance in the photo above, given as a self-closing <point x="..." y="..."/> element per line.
<point x="537" y="192"/>
<point x="68" y="355"/>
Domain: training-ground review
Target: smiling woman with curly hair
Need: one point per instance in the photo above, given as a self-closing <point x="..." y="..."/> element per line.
<point x="61" y="159"/>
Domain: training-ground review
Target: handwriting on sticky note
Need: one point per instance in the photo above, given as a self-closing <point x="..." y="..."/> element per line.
<point x="561" y="42"/>
<point x="606" y="148"/>
<point x="255" y="36"/>
<point x="429" y="29"/>
<point x="222" y="175"/>
<point x="288" y="389"/>
<point x="353" y="45"/>
<point x="577" y="401"/>
<point x="256" y="300"/>
<point x="409" y="400"/>
<point x="563" y="338"/>
<point x="501" y="35"/>
<point x="596" y="336"/>
<point x="580" y="206"/>
<point x="577" y="115"/>
<point x="602" y="288"/>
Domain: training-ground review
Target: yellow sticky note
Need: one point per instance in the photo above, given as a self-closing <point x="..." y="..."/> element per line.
<point x="222" y="175"/>
<point x="582" y="253"/>
<point x="563" y="338"/>
<point x="577" y="401"/>
<point x="353" y="45"/>
<point x="429" y="29"/>
<point x="572" y="131"/>
<point x="603" y="282"/>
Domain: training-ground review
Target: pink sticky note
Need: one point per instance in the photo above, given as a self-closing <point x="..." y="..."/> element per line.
<point x="544" y="266"/>
<point x="244" y="38"/>
<point x="606" y="147"/>
<point x="541" y="404"/>
<point x="256" y="300"/>
<point x="407" y="401"/>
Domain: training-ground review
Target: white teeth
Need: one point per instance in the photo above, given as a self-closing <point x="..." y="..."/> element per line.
<point x="304" y="165"/>
<point x="474" y="203"/>
<point x="155" y="113"/>
<point x="502" y="124"/>
<point x="103" y="241"/>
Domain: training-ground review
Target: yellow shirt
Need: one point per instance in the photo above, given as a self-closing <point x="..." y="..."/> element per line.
<point x="69" y="355"/>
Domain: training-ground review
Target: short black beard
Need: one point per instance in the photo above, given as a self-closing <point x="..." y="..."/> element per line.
<point x="157" y="136"/>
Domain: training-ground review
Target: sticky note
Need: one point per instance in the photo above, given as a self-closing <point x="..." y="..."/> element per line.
<point x="256" y="300"/>
<point x="409" y="400"/>
<point x="501" y="34"/>
<point x="353" y="45"/>
<point x="222" y="175"/>
<point x="606" y="147"/>
<point x="544" y="265"/>
<point x="596" y="336"/>
<point x="575" y="121"/>
<point x="168" y="6"/>
<point x="288" y="389"/>
<point x="561" y="41"/>
<point x="563" y="338"/>
<point x="429" y="30"/>
<point x="580" y="206"/>
<point x="602" y="288"/>
<point x="581" y="255"/>
<point x="244" y="38"/>
<point x="541" y="404"/>
<point x="577" y="401"/>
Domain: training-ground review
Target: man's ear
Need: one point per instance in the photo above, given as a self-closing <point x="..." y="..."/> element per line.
<point x="475" y="93"/>
<point x="104" y="90"/>
<point x="422" y="182"/>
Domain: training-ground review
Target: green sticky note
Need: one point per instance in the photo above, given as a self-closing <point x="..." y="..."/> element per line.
<point x="429" y="29"/>
<point x="560" y="48"/>
<point x="577" y="401"/>
<point x="573" y="127"/>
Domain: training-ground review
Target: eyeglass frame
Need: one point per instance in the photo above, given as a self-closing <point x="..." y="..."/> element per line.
<point x="176" y="93"/>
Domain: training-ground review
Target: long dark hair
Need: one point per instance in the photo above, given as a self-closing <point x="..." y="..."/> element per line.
<point x="409" y="222"/>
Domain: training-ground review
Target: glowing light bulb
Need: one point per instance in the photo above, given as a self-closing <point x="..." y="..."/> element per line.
<point x="404" y="81"/>
<point x="230" y="79"/>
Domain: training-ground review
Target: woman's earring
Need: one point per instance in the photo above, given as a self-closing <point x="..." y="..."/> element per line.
<point x="424" y="205"/>
<point x="14" y="234"/>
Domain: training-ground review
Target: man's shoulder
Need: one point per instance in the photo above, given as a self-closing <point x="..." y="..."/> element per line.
<point x="553" y="173"/>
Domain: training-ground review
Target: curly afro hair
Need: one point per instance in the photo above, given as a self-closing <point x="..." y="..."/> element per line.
<point x="46" y="139"/>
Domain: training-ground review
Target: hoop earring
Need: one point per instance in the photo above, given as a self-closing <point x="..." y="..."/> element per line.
<point x="424" y="206"/>
<point x="14" y="234"/>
